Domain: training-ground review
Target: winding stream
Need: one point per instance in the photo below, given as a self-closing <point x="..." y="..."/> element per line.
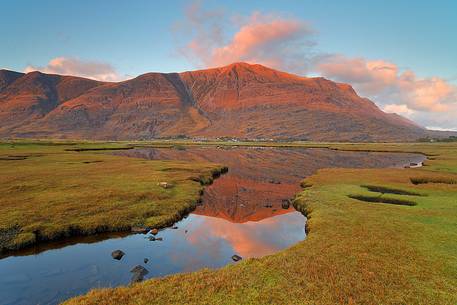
<point x="241" y="213"/>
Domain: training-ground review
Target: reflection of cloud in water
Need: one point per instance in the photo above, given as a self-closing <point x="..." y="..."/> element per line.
<point x="250" y="239"/>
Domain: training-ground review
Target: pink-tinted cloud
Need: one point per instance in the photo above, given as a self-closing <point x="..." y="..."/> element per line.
<point x="77" y="67"/>
<point x="271" y="40"/>
<point x="263" y="39"/>
<point x="395" y="90"/>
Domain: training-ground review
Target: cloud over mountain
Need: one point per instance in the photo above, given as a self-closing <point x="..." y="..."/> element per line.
<point x="286" y="43"/>
<point x="78" y="67"/>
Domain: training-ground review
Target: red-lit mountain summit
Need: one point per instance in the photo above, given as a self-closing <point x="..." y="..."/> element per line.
<point x="239" y="100"/>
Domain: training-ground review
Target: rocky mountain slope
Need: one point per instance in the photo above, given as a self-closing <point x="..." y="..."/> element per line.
<point x="239" y="100"/>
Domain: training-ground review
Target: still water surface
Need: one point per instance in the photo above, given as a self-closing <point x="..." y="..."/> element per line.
<point x="241" y="213"/>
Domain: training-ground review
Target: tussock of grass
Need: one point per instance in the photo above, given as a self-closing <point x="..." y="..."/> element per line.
<point x="388" y="190"/>
<point x="382" y="199"/>
<point x="98" y="148"/>
<point x="425" y="180"/>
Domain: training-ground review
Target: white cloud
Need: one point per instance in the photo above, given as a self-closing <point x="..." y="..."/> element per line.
<point x="77" y="67"/>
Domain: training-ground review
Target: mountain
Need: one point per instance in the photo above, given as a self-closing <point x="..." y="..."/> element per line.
<point x="239" y="100"/>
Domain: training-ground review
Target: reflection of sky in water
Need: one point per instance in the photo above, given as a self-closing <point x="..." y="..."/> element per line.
<point x="56" y="275"/>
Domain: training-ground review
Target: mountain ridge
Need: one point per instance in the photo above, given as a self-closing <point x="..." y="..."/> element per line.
<point x="240" y="100"/>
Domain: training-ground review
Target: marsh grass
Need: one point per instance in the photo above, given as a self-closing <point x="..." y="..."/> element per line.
<point x="383" y="199"/>
<point x="389" y="190"/>
<point x="55" y="193"/>
<point x="425" y="180"/>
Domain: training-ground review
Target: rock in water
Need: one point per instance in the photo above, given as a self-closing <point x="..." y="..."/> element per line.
<point x="236" y="258"/>
<point x="138" y="269"/>
<point x="117" y="254"/>
<point x="146" y="260"/>
<point x="136" y="278"/>
<point x="154" y="231"/>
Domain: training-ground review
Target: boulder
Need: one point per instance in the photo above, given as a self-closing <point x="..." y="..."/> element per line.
<point x="117" y="254"/>
<point x="138" y="269"/>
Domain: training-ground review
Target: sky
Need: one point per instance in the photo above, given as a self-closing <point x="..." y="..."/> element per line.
<point x="400" y="54"/>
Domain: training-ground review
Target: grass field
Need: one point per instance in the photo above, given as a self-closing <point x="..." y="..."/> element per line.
<point x="359" y="250"/>
<point x="54" y="190"/>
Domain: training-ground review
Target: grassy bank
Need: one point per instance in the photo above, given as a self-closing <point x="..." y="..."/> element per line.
<point x="359" y="250"/>
<point x="53" y="190"/>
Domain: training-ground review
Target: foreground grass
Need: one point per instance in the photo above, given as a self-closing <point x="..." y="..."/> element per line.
<point x="357" y="252"/>
<point x="49" y="191"/>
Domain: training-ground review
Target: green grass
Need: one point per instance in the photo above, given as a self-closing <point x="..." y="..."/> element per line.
<point x="49" y="192"/>
<point x="356" y="252"/>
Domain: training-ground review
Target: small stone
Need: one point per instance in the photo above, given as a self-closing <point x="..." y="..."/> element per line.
<point x="175" y="228"/>
<point x="236" y="258"/>
<point x="159" y="238"/>
<point x="146" y="260"/>
<point x="140" y="230"/>
<point x="186" y="231"/>
<point x="165" y="185"/>
<point x="152" y="238"/>
<point x="154" y="231"/>
<point x="117" y="254"/>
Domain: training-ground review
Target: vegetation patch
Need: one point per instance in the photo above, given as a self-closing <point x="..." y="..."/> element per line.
<point x="382" y="199"/>
<point x="388" y="190"/>
<point x="425" y="180"/>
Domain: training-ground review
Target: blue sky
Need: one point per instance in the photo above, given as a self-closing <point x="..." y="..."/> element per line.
<point x="135" y="37"/>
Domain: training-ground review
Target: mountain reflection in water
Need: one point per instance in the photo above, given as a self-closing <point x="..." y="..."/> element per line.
<point x="259" y="178"/>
